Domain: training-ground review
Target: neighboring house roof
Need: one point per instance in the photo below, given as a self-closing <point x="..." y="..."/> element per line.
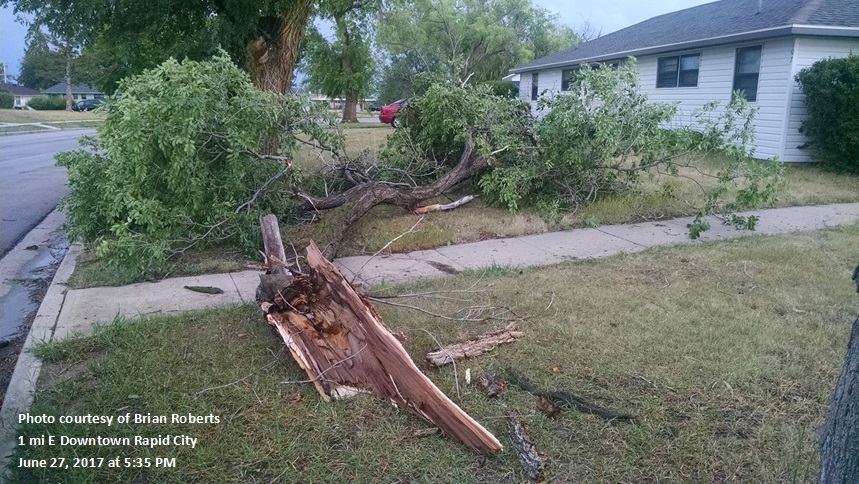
<point x="711" y="24"/>
<point x="60" y="88"/>
<point x="19" y="90"/>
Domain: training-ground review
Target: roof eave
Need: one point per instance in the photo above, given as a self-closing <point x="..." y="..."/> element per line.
<point x="817" y="30"/>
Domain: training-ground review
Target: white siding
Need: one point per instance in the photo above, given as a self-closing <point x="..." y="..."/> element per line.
<point x="808" y="50"/>
<point x="716" y="82"/>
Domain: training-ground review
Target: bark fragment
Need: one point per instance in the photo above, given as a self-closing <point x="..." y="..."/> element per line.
<point x="490" y="384"/>
<point x="532" y="463"/>
<point x="343" y="345"/>
<point x="475" y="346"/>
<point x="449" y="206"/>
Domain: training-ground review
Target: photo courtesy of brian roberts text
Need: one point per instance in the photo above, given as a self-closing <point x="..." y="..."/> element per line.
<point x="75" y="443"/>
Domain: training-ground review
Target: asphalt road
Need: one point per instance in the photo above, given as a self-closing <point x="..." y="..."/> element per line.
<point x="30" y="184"/>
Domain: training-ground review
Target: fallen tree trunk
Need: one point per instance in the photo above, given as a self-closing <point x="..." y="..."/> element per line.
<point x="361" y="198"/>
<point x="475" y="346"/>
<point x="343" y="345"/>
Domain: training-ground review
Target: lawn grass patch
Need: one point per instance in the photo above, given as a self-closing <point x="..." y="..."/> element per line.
<point x="727" y="353"/>
<point x="20" y="128"/>
<point x="94" y="271"/>
<point x="33" y="116"/>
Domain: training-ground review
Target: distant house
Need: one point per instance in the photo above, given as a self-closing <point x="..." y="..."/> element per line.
<point x="22" y="94"/>
<point x="705" y="53"/>
<point x="80" y="92"/>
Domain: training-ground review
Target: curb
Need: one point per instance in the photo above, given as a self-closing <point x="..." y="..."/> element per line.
<point x="10" y="133"/>
<point x="22" y="386"/>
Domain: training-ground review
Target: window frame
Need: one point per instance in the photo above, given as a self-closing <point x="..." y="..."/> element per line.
<point x="757" y="75"/>
<point x="678" y="71"/>
<point x="535" y="85"/>
<point x="566" y="76"/>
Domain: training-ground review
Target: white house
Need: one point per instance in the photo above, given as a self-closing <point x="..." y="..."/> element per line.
<point x="704" y="53"/>
<point x="22" y="94"/>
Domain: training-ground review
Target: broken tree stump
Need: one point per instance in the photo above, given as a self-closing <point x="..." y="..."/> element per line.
<point x="343" y="345"/>
<point x="532" y="463"/>
<point x="475" y="346"/>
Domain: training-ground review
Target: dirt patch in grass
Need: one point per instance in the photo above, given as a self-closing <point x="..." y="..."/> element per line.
<point x="726" y="352"/>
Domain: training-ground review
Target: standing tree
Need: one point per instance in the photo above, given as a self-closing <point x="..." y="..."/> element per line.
<point x="477" y="38"/>
<point x="41" y="66"/>
<point x="343" y="67"/>
<point x="266" y="35"/>
<point x="839" y="445"/>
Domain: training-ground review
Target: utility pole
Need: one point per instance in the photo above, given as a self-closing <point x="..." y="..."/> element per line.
<point x="4" y="73"/>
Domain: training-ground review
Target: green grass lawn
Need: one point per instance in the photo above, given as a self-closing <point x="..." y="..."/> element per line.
<point x="726" y="352"/>
<point x="32" y="116"/>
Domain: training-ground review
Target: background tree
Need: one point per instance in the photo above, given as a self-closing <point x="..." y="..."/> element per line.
<point x="44" y="65"/>
<point x="41" y="66"/>
<point x="265" y="36"/>
<point x="478" y="38"/>
<point x="343" y="67"/>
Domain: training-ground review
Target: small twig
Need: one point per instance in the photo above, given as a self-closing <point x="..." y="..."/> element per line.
<point x="389" y="244"/>
<point x="550" y="302"/>
<point x="455" y="372"/>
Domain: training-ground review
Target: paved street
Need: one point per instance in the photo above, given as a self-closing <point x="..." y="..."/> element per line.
<point x="30" y="184"/>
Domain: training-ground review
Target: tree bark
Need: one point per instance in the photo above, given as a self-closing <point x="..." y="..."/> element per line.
<point x="275" y="255"/>
<point x="343" y="345"/>
<point x="839" y="445"/>
<point x="68" y="77"/>
<point x="272" y="57"/>
<point x="350" y="108"/>
<point x="474" y="347"/>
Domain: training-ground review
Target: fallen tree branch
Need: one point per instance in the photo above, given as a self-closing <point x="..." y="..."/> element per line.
<point x="567" y="399"/>
<point x="475" y="346"/>
<point x="450" y="206"/>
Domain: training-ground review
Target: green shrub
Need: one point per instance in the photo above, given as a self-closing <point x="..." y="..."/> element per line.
<point x="7" y="100"/>
<point x="831" y="88"/>
<point x="48" y="103"/>
<point x="178" y="163"/>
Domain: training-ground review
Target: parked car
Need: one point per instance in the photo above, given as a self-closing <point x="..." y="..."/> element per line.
<point x="87" y="105"/>
<point x="374" y="107"/>
<point x="388" y="115"/>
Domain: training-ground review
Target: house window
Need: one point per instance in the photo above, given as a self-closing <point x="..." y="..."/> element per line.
<point x="83" y="96"/>
<point x="747" y="71"/>
<point x="678" y="71"/>
<point x="535" y="80"/>
<point x="566" y="77"/>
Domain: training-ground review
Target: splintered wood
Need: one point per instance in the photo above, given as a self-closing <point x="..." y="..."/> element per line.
<point x="343" y="345"/>
<point x="476" y="346"/>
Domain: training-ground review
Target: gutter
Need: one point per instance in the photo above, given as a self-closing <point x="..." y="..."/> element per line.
<point x="769" y="33"/>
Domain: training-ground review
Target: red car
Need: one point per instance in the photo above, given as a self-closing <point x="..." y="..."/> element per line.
<point x="388" y="114"/>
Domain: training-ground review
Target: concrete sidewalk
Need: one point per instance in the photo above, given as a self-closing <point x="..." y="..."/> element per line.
<point x="82" y="308"/>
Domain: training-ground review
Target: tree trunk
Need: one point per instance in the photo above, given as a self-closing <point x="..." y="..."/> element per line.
<point x="68" y="78"/>
<point x="350" y="114"/>
<point x="272" y="58"/>
<point x="839" y="445"/>
<point x="345" y="348"/>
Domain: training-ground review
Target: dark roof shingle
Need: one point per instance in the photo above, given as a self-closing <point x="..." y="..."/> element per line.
<point x="18" y="90"/>
<point x="711" y="20"/>
<point x="60" y="88"/>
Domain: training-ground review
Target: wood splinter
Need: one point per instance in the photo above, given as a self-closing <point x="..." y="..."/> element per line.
<point x="475" y="346"/>
<point x="439" y="207"/>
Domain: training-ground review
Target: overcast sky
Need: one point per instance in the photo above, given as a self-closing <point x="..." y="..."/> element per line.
<point x="602" y="15"/>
